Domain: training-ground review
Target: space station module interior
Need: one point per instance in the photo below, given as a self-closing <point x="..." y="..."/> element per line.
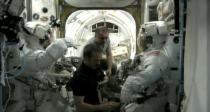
<point x="34" y="75"/>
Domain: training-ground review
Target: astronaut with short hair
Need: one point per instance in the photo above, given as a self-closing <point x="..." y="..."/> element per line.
<point x="146" y="89"/>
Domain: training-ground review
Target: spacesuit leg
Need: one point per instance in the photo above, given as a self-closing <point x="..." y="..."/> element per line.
<point x="20" y="96"/>
<point x="156" y="104"/>
<point x="48" y="101"/>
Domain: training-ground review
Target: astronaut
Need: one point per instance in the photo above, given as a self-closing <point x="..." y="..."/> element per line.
<point x="146" y="89"/>
<point x="38" y="62"/>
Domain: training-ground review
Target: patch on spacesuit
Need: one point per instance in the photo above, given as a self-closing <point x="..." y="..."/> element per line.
<point x="153" y="53"/>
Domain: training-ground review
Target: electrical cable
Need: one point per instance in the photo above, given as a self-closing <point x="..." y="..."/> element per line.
<point x="181" y="69"/>
<point x="7" y="102"/>
<point x="20" y="72"/>
<point x="2" y="64"/>
<point x="6" y="55"/>
<point x="22" y="68"/>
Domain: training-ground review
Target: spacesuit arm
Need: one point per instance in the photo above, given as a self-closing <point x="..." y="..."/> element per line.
<point x="152" y="70"/>
<point x="142" y="77"/>
<point x="171" y="15"/>
<point x="57" y="49"/>
<point x="171" y="8"/>
<point x="40" y="59"/>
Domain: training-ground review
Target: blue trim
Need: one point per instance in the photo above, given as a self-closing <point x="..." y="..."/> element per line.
<point x="1" y="99"/>
<point x="181" y="61"/>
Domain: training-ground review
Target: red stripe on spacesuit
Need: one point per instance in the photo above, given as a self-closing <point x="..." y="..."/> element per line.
<point x="154" y="52"/>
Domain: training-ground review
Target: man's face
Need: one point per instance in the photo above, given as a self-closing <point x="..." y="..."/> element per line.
<point x="46" y="43"/>
<point x="94" y="61"/>
<point x="48" y="40"/>
<point x="102" y="37"/>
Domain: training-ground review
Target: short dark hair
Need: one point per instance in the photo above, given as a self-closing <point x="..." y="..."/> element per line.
<point x="89" y="49"/>
<point x="99" y="29"/>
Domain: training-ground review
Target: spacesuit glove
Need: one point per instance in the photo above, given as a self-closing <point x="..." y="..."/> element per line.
<point x="70" y="43"/>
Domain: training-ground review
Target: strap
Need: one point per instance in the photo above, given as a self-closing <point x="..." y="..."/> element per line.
<point x="99" y="94"/>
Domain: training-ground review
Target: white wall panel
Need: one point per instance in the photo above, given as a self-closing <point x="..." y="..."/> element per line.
<point x="38" y="5"/>
<point x="196" y="68"/>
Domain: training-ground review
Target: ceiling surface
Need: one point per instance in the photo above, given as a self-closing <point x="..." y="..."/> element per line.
<point x="100" y="3"/>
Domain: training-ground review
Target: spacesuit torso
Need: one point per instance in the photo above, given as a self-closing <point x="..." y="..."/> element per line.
<point x="146" y="88"/>
<point x="147" y="81"/>
<point x="33" y="87"/>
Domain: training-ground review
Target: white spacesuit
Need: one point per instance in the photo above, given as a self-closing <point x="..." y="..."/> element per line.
<point x="146" y="89"/>
<point x="32" y="86"/>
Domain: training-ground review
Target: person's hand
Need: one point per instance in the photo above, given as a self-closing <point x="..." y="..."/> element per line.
<point x="110" y="105"/>
<point x="108" y="72"/>
<point x="106" y="79"/>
